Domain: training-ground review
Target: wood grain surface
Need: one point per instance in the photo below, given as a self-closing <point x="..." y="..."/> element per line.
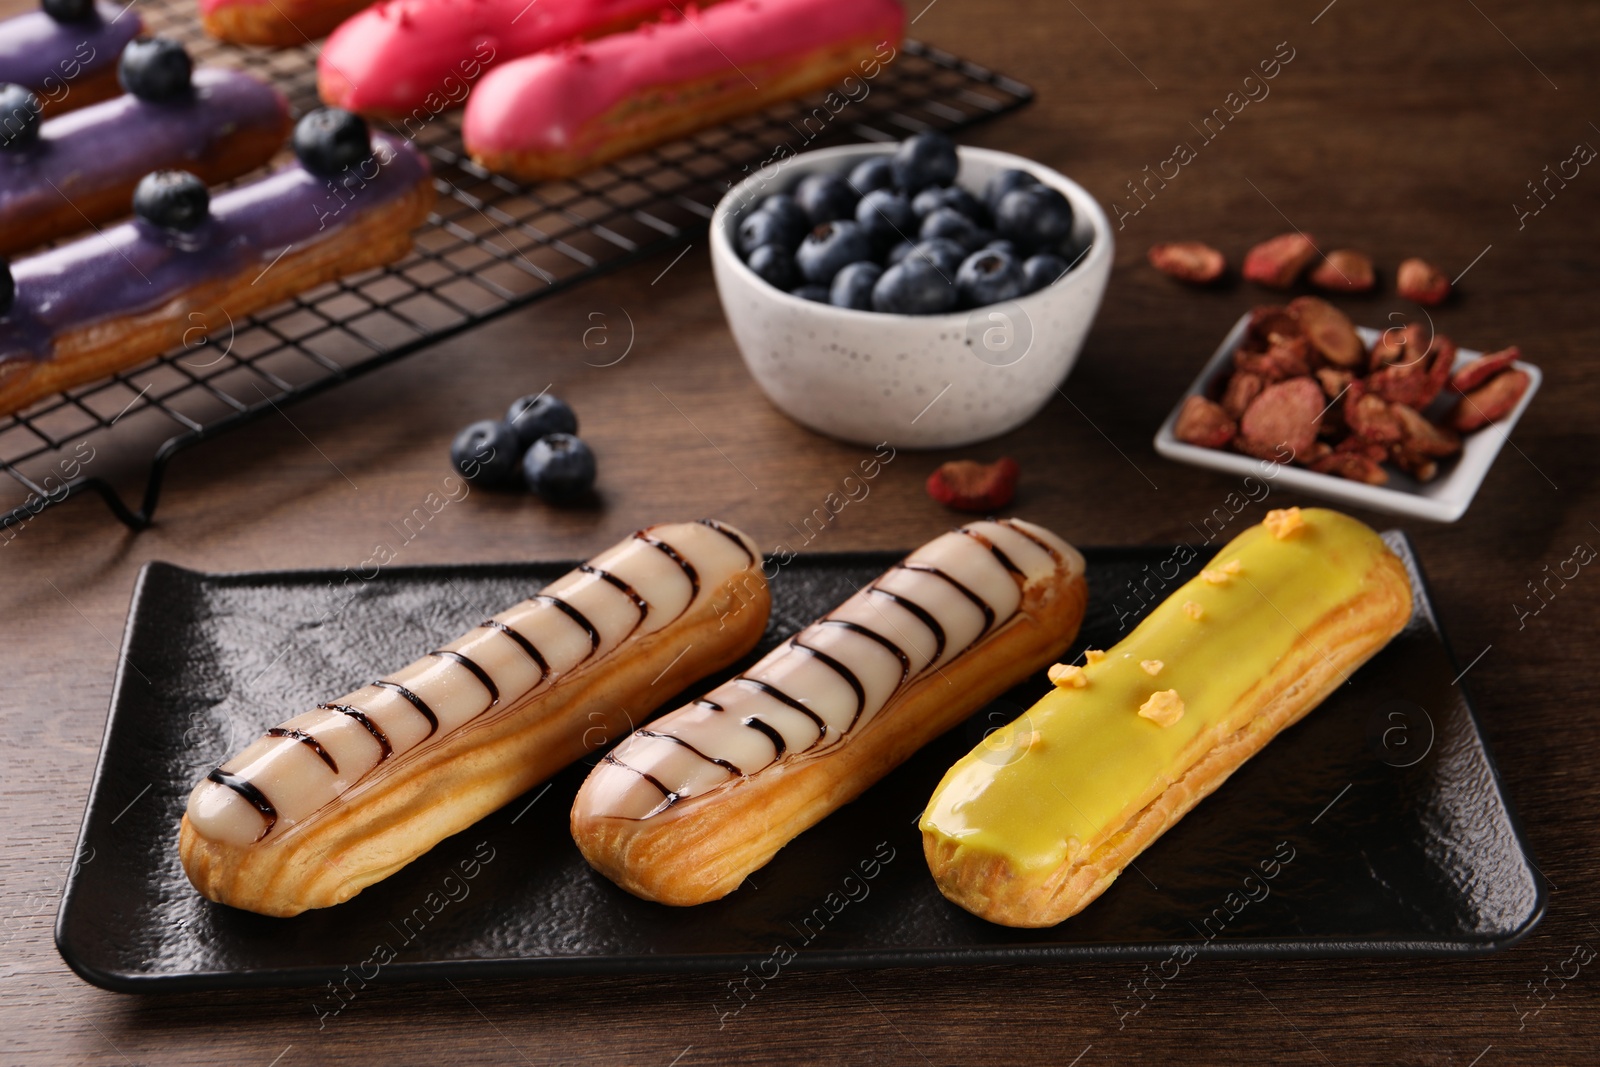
<point x="1400" y="129"/>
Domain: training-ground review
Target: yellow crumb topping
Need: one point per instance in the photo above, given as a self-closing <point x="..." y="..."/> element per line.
<point x="1233" y="566"/>
<point x="1093" y="655"/>
<point x="1065" y="674"/>
<point x="1193" y="610"/>
<point x="1214" y="577"/>
<point x="1283" y="522"/>
<point x="1152" y="667"/>
<point x="1163" y="708"/>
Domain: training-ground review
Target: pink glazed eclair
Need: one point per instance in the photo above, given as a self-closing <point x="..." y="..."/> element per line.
<point x="560" y="112"/>
<point x="416" y="58"/>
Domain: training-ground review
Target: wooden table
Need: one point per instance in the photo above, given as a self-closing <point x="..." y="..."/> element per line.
<point x="1401" y="130"/>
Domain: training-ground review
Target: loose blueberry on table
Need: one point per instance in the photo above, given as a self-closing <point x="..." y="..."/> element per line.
<point x="536" y="445"/>
<point x="897" y="235"/>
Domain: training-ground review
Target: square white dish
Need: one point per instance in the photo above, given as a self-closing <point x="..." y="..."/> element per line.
<point x="1445" y="499"/>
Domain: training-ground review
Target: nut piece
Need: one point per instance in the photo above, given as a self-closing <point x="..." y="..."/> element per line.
<point x="1163" y="708"/>
<point x="1091" y="656"/>
<point x="1278" y="262"/>
<point x="1483" y="368"/>
<point x="1491" y="401"/>
<point x="1344" y="271"/>
<point x="1188" y="261"/>
<point x="1203" y="422"/>
<point x="1193" y="610"/>
<point x="1283" y="522"/>
<point x="1329" y="330"/>
<point x="1152" y="667"/>
<point x="1421" y="281"/>
<point x="1065" y="676"/>
<point x="1285" y="415"/>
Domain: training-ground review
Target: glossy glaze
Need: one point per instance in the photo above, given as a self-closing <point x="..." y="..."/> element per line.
<point x="545" y="102"/>
<point x="124" y="138"/>
<point x="1093" y="744"/>
<point x="404" y="55"/>
<point x="573" y="624"/>
<point x="41" y="53"/>
<point x="135" y="267"/>
<point x="825" y="683"/>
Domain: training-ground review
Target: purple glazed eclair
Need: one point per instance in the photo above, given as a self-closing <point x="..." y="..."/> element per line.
<point x="67" y="51"/>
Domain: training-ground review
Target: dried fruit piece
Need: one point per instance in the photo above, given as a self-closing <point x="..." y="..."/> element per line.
<point x="1275" y="346"/>
<point x="1329" y="330"/>
<point x="1188" y="261"/>
<point x="1483" y="368"/>
<point x="1334" y="381"/>
<point x="1419" y="376"/>
<point x="1278" y="262"/>
<point x="1490" y="401"/>
<point x="1203" y="422"/>
<point x="1422" y="282"/>
<point x="1370" y="416"/>
<point x="1242" y="388"/>
<point x="1398" y="344"/>
<point x="1362" y="447"/>
<point x="1285" y="415"/>
<point x="1344" y="271"/>
<point x="1351" y="465"/>
<point x="1423" y="437"/>
<point x="967" y="485"/>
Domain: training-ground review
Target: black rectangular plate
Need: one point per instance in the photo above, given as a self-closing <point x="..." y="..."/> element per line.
<point x="1377" y="826"/>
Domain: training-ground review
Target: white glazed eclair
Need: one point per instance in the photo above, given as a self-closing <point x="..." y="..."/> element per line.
<point x="681" y="811"/>
<point x="342" y="796"/>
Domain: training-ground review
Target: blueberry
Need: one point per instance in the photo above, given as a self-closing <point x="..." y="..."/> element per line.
<point x="789" y="213"/>
<point x="949" y="223"/>
<point x="1039" y="271"/>
<point x="815" y="293"/>
<point x="913" y="287"/>
<point x="989" y="277"/>
<point x="825" y="197"/>
<point x="829" y="247"/>
<point x="1000" y="244"/>
<point x="852" y="286"/>
<point x="899" y="252"/>
<point x="560" y="468"/>
<point x="775" y="266"/>
<point x="171" y="199"/>
<point x="924" y="160"/>
<point x="1002" y="183"/>
<point x="331" y="140"/>
<point x="19" y="117"/>
<point x="942" y="252"/>
<point x="767" y="228"/>
<point x="70" y="10"/>
<point x="155" y="68"/>
<point x="533" y="417"/>
<point x="1035" y="217"/>
<point x="935" y="197"/>
<point x="870" y="174"/>
<point x="886" y="216"/>
<point x="486" y="452"/>
<point x="8" y="288"/>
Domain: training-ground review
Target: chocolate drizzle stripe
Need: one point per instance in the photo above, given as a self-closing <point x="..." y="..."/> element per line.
<point x="977" y="601"/>
<point x="416" y="702"/>
<point x="477" y="672"/>
<point x="673" y="554"/>
<point x="626" y="589"/>
<point x="724" y="764"/>
<point x="1014" y="528"/>
<point x="842" y="671"/>
<point x="712" y="704"/>
<point x="999" y="553"/>
<point x="371" y="727"/>
<point x="576" y="616"/>
<point x="522" y="643"/>
<point x="762" y="727"/>
<point x="923" y="616"/>
<point x="256" y="798"/>
<point x="784" y="698"/>
<point x="310" y="742"/>
<point x="670" y="797"/>
<point x="750" y="557"/>
<point x="857" y="628"/>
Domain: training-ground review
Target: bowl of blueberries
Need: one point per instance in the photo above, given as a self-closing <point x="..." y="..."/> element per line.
<point x="916" y="293"/>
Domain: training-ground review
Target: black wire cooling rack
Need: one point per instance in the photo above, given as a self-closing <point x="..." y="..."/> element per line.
<point x="490" y="245"/>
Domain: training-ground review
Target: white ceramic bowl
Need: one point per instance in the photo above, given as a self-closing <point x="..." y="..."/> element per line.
<point x="915" y="381"/>
<point x="1445" y="499"/>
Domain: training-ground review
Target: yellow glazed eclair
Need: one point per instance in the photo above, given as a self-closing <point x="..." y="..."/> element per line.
<point x="681" y="811"/>
<point x="1039" y="819"/>
<point x="333" y="800"/>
